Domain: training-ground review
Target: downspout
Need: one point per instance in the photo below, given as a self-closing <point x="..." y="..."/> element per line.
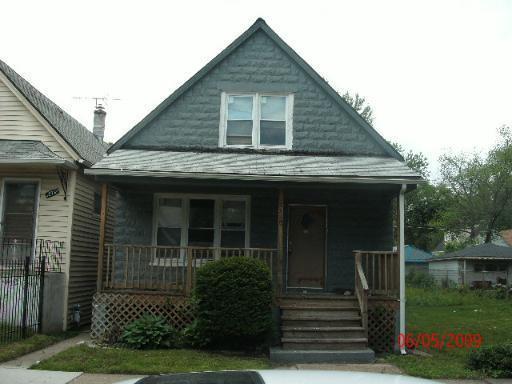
<point x="401" y="209"/>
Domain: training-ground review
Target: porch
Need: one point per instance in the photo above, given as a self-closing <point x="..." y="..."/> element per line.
<point x="327" y="242"/>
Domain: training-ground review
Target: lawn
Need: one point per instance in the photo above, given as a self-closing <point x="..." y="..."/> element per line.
<point x="452" y="311"/>
<point x="120" y="360"/>
<point x="33" y="343"/>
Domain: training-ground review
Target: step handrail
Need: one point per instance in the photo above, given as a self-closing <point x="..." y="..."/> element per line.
<point x="361" y="291"/>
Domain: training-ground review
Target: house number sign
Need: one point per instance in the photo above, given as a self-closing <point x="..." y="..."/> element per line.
<point x="52" y="192"/>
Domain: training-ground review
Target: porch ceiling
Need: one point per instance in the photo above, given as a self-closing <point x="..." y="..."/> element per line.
<point x="255" y="166"/>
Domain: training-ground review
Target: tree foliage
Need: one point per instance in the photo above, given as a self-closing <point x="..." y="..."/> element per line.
<point x="424" y="206"/>
<point x="360" y="106"/>
<point x="481" y="190"/>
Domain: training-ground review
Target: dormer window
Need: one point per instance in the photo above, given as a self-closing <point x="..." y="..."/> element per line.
<point x="256" y="120"/>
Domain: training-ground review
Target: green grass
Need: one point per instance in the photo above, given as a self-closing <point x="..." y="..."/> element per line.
<point x="121" y="360"/>
<point x="452" y="311"/>
<point x="33" y="343"/>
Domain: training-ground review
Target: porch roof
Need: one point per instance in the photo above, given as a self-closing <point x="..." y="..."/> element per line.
<point x="29" y="152"/>
<point x="255" y="166"/>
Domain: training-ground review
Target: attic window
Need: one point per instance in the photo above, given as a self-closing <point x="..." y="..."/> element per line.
<point x="256" y="121"/>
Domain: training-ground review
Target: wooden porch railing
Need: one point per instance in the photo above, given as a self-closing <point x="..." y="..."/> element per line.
<point x="377" y="273"/>
<point x="361" y="292"/>
<point x="165" y="268"/>
<point x="382" y="271"/>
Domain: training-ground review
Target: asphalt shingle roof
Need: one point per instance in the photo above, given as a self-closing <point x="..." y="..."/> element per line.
<point x="487" y="250"/>
<point x="416" y="255"/>
<point x="135" y="162"/>
<point x="75" y="134"/>
<point x="18" y="151"/>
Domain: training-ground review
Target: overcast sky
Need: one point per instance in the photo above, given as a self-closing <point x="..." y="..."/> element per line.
<point x="438" y="74"/>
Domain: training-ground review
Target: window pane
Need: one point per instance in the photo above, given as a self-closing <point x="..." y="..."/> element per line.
<point x="239" y="107"/>
<point x="233" y="239"/>
<point x="19" y="211"/>
<point x="273" y="107"/>
<point x="200" y="237"/>
<point x="201" y="213"/>
<point x="233" y="215"/>
<point x="239" y="128"/>
<point x="272" y="132"/>
<point x="169" y="213"/>
<point x="168" y="236"/>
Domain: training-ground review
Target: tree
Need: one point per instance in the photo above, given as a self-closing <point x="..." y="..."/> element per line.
<point x="424" y="206"/>
<point x="481" y="189"/>
<point x="360" y="106"/>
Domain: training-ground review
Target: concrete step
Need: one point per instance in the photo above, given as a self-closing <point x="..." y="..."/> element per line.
<point x="322" y="332"/>
<point x="324" y="344"/>
<point x="291" y="356"/>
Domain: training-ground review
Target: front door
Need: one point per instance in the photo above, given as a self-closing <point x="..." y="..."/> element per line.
<point x="306" y="246"/>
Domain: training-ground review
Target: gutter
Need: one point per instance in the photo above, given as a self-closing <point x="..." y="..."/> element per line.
<point x="64" y="163"/>
<point x="261" y="177"/>
<point x="401" y="205"/>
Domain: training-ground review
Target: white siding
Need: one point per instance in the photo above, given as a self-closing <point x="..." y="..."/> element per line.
<point x="53" y="215"/>
<point x="18" y="123"/>
<point x="446" y="270"/>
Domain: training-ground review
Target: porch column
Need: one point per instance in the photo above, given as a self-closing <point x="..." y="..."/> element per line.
<point x="401" y="245"/>
<point x="101" y="243"/>
<point x="280" y="240"/>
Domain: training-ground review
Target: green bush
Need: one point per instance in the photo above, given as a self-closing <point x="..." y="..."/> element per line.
<point x="419" y="279"/>
<point x="149" y="332"/>
<point x="233" y="298"/>
<point x="494" y="361"/>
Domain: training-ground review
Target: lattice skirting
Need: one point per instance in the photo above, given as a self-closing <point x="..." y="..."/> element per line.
<point x="113" y="311"/>
<point x="382" y="325"/>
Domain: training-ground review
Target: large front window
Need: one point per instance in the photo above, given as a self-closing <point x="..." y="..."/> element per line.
<point x="201" y="221"/>
<point x="256" y="120"/>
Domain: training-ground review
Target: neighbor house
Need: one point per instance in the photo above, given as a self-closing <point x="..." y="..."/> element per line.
<point x="416" y="259"/>
<point x="47" y="203"/>
<point x="479" y="266"/>
<point x="256" y="155"/>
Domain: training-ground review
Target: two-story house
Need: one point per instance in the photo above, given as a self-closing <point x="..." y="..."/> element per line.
<point x="257" y="155"/>
<point x="47" y="204"/>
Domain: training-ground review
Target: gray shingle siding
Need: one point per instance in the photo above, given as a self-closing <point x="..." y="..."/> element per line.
<point x="258" y="65"/>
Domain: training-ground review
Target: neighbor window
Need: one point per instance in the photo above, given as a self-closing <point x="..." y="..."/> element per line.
<point x="256" y="120"/>
<point x="201" y="221"/>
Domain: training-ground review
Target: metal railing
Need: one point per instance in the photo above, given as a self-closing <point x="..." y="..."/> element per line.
<point x="23" y="264"/>
<point x="165" y="268"/>
<point x="14" y="251"/>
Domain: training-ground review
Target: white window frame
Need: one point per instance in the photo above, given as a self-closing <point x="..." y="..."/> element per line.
<point x="256" y="118"/>
<point x="217" y="224"/>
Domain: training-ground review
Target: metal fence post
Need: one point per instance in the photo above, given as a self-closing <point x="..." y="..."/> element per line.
<point x="42" y="269"/>
<point x="26" y="271"/>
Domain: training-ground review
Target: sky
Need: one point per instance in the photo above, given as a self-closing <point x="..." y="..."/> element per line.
<point x="438" y="74"/>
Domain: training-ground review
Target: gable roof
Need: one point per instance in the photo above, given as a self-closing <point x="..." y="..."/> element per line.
<point x="86" y="145"/>
<point x="482" y="251"/>
<point x="259" y="25"/>
<point x="416" y="255"/>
